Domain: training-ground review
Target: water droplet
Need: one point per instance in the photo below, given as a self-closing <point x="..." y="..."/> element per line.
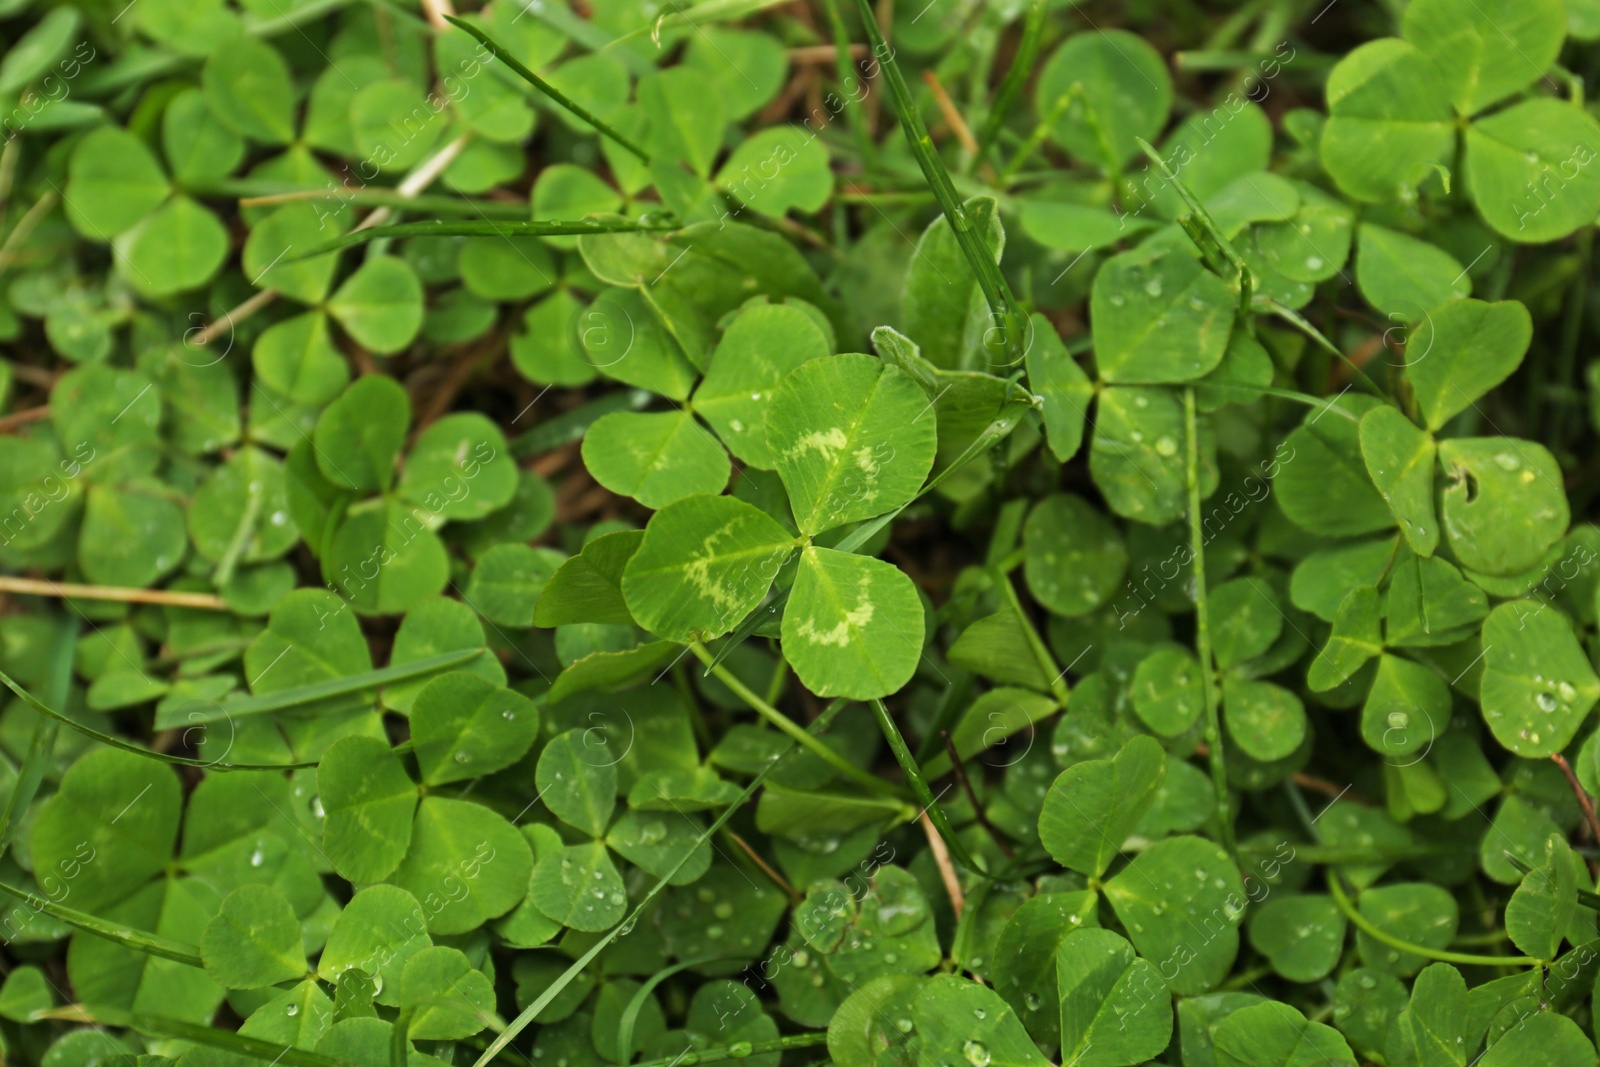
<point x="1166" y="446"/>
<point x="1153" y="286"/>
<point x="508" y="715"/>
<point x="1032" y="1001"/>
<point x="740" y="1049"/>
<point x="1545" y="701"/>
<point x="462" y="757"/>
<point x="257" y="858"/>
<point x="293" y="1009"/>
<point x="714" y="932"/>
<point x="736" y="426"/>
<point x="723" y="910"/>
<point x="1507" y="462"/>
<point x="1313" y="263"/>
<point x="977" y="1053"/>
<point x="1567" y="692"/>
<point x="1117" y="300"/>
<point x="903" y="1025"/>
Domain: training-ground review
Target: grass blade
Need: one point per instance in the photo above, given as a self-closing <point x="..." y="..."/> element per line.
<point x="116" y="742"/>
<point x="555" y="988"/>
<point x="547" y="89"/>
<point x="1202" y="615"/>
<point x="440" y="228"/>
<point x="227" y="1040"/>
<point x="741" y="1051"/>
<point x="43" y="741"/>
<point x="996" y="291"/>
<point x="919" y="786"/>
<point x="788" y="726"/>
<point x="289" y="698"/>
<point x="1012" y="84"/>
<point x="338" y="687"/>
<point x="138" y="940"/>
<point x="1204" y="231"/>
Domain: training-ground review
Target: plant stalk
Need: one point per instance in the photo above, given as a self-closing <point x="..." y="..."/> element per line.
<point x="791" y="728"/>
<point x="1202" y="615"/>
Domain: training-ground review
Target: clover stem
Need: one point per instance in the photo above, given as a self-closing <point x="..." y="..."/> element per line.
<point x="919" y="786"/>
<point x="1202" y="616"/>
<point x="794" y="895"/>
<point x="398" y="1045"/>
<point x="1366" y="926"/>
<point x="789" y="726"/>
<point x="960" y="770"/>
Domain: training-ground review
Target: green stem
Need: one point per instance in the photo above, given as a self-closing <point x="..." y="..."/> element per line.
<point x="845" y="70"/>
<point x="1204" y="231"/>
<point x="919" y="786"/>
<point x="1366" y="926"/>
<point x="223" y="572"/>
<point x="789" y="726"/>
<point x="138" y="940"/>
<point x="116" y="742"/>
<point x="739" y="1050"/>
<point x="295" y="192"/>
<point x="1299" y="322"/>
<point x="557" y="987"/>
<point x="538" y="228"/>
<point x="1323" y="404"/>
<point x="996" y="290"/>
<point x="1041" y="654"/>
<point x="255" y="706"/>
<point x="1202" y="616"/>
<point x="1036" y="138"/>
<point x="338" y="687"/>
<point x="43" y="741"/>
<point x="547" y="89"/>
<point x="228" y="1040"/>
<point x="1016" y="78"/>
